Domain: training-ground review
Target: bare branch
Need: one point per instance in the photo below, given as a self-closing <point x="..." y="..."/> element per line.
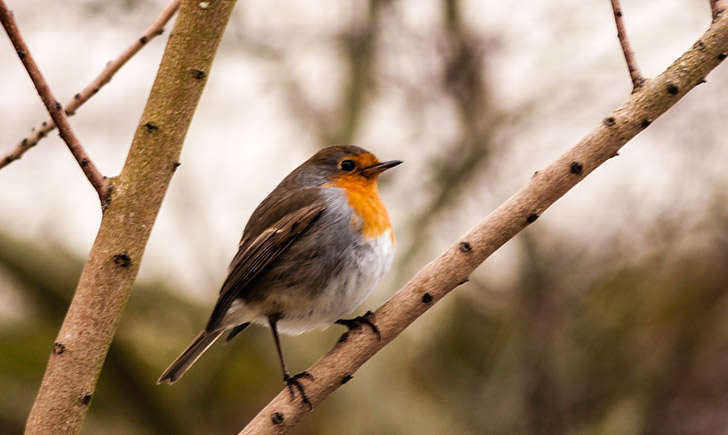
<point x="454" y="266"/>
<point x="105" y="284"/>
<point x="41" y="131"/>
<point x="54" y="107"/>
<point x="634" y="72"/>
<point x="717" y="7"/>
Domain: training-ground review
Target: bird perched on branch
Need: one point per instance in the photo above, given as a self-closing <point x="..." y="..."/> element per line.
<point x="310" y="253"/>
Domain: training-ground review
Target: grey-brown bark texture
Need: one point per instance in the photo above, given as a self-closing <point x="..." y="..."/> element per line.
<point x="454" y="266"/>
<point x="105" y="284"/>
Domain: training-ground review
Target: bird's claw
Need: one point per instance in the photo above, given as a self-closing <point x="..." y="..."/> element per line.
<point x="293" y="381"/>
<point x="357" y="322"/>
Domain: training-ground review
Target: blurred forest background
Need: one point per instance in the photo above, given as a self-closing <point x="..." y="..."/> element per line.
<point x="606" y="316"/>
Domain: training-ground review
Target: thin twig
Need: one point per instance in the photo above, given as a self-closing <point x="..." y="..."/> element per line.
<point x="54" y="107"/>
<point x="41" y="131"/>
<point x="717" y="7"/>
<point x="634" y="72"/>
<point x="450" y="269"/>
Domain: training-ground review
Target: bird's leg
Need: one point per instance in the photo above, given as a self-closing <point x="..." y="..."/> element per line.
<point x="291" y="381"/>
<point x="356" y="322"/>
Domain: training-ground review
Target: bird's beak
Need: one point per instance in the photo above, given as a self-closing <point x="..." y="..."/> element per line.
<point x="380" y="167"/>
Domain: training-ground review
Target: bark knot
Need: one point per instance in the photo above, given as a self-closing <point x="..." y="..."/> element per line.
<point x="576" y="168"/>
<point x="122" y="259"/>
<point x="58" y="348"/>
<point x="276" y="418"/>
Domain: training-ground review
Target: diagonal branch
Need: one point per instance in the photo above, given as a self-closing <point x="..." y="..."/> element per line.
<point x="717" y="7"/>
<point x="41" y="131"/>
<point x="54" y="107"/>
<point x="453" y="267"/>
<point x="634" y="72"/>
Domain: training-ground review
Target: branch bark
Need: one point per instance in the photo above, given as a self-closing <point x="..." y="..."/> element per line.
<point x="105" y="284"/>
<point x="55" y="109"/>
<point x="454" y="266"/>
<point x="717" y="7"/>
<point x="41" y="131"/>
<point x="634" y="71"/>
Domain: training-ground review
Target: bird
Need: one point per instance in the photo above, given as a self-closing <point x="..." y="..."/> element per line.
<point x="311" y="252"/>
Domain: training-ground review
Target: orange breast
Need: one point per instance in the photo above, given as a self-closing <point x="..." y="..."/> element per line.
<point x="363" y="196"/>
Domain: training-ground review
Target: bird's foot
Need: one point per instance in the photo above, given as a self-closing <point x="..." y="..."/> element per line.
<point x="293" y="381"/>
<point x="357" y="322"/>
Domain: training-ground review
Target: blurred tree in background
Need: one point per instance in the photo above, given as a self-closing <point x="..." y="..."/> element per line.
<point x="607" y="316"/>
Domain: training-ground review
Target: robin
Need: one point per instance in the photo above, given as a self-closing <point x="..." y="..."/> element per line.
<point x="310" y="253"/>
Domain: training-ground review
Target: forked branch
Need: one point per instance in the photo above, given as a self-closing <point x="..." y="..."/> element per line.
<point x="105" y="284"/>
<point x="41" y="131"/>
<point x="454" y="266"/>
<point x="54" y="107"/>
<point x="634" y="72"/>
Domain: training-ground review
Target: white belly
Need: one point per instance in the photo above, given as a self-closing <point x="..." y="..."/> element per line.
<point x="344" y="292"/>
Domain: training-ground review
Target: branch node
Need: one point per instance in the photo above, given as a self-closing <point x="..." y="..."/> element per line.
<point x="276" y="418"/>
<point x="576" y="168"/>
<point x="58" y="348"/>
<point x="465" y="247"/>
<point x="426" y="298"/>
<point x="532" y="218"/>
<point x="122" y="259"/>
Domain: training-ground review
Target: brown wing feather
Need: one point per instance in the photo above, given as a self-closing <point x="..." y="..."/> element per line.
<point x="255" y="257"/>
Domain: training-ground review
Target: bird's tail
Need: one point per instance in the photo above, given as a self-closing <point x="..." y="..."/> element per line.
<point x="183" y="362"/>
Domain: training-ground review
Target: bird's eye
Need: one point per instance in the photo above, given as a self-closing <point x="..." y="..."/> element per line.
<point x="347" y="165"/>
